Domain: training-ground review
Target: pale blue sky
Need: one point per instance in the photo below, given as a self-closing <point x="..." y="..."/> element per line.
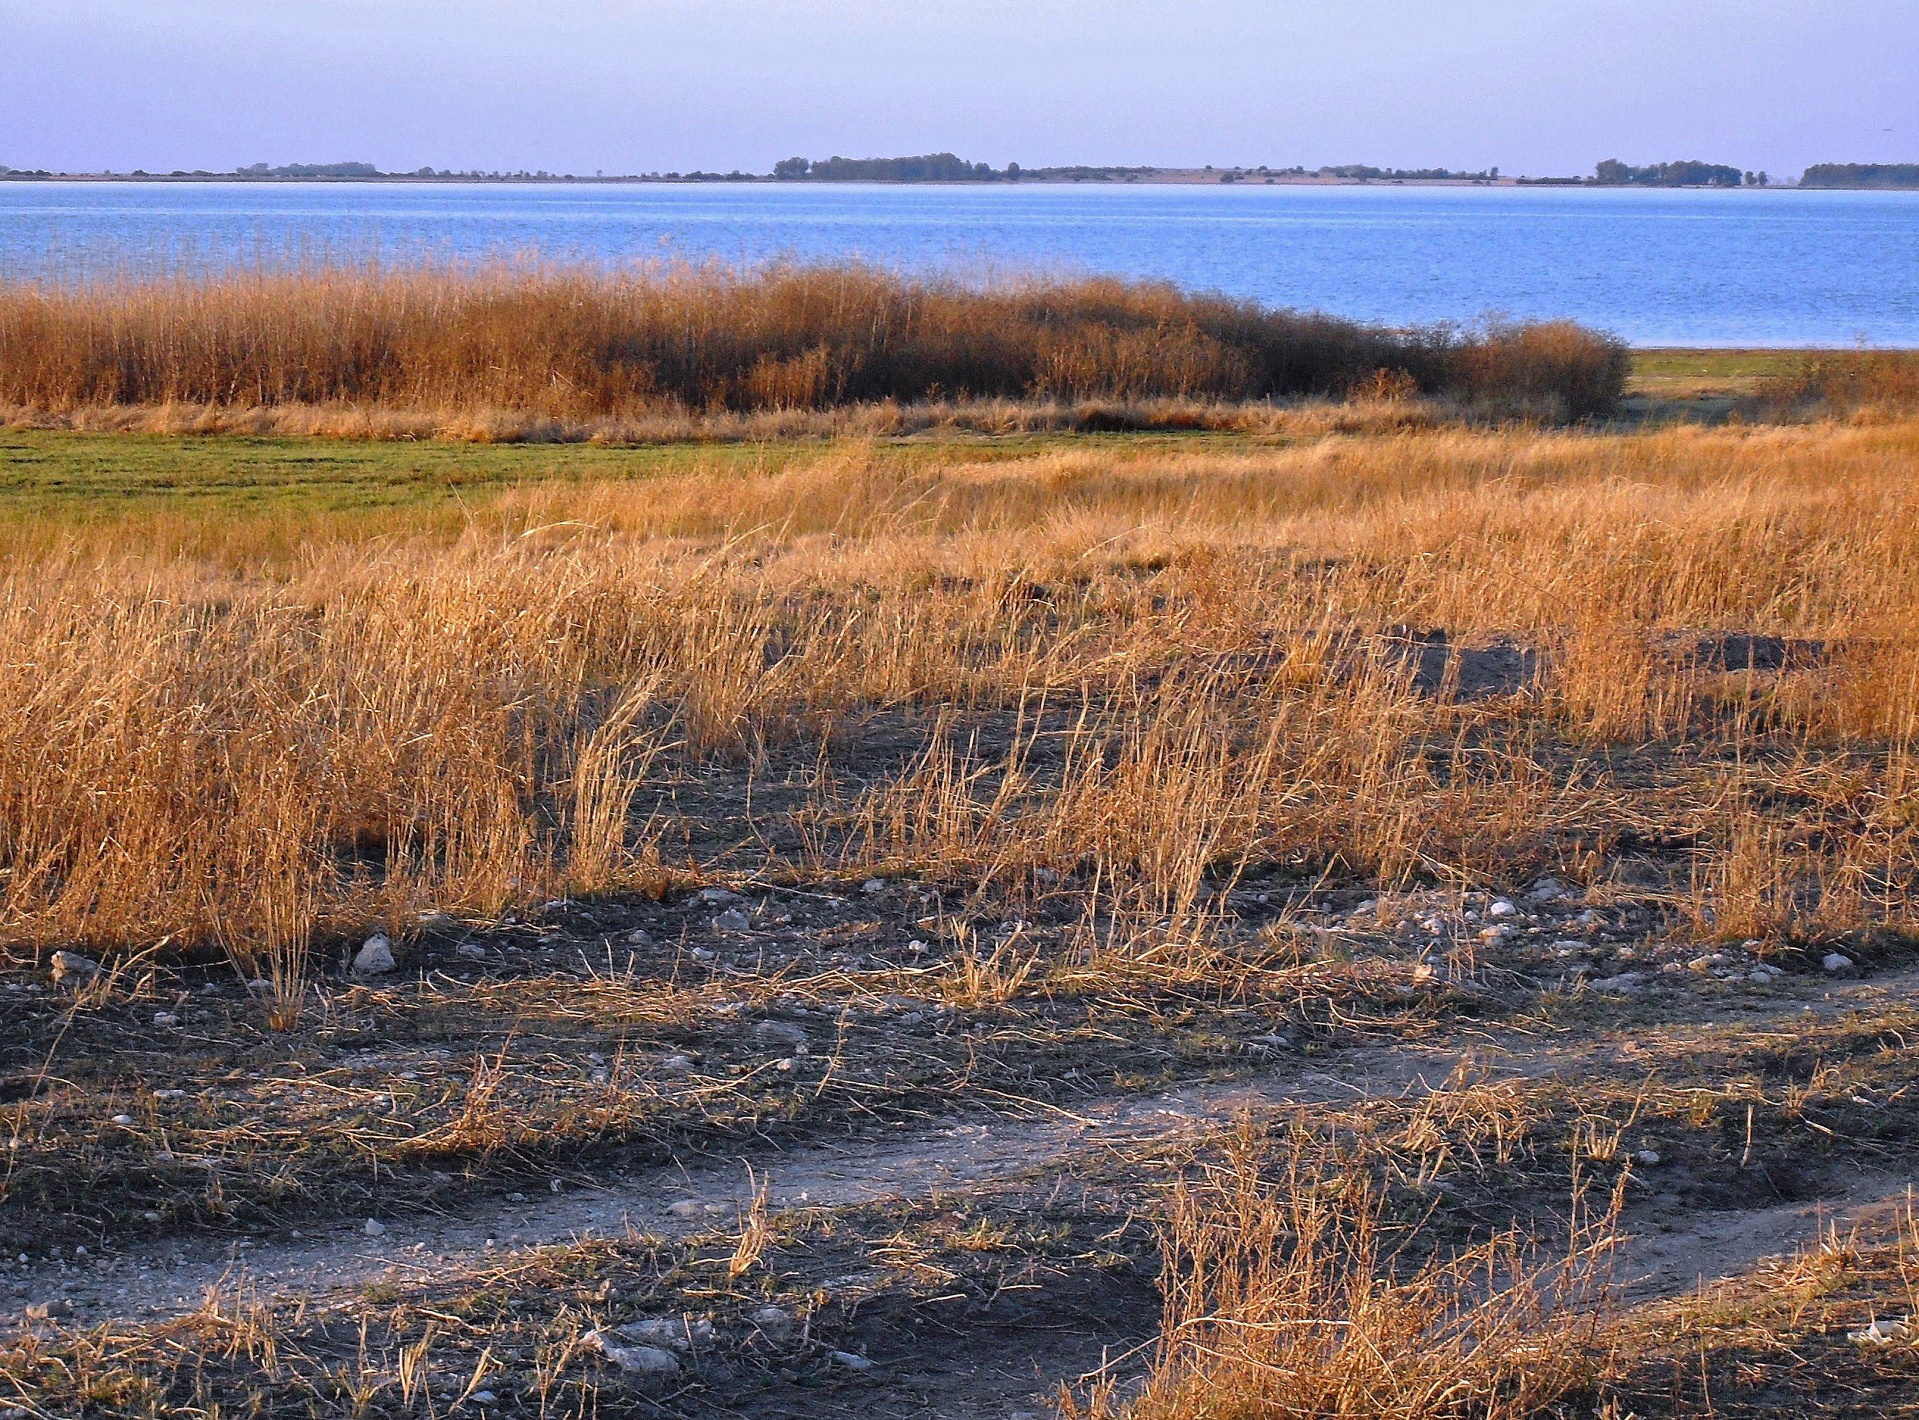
<point x="1539" y="86"/>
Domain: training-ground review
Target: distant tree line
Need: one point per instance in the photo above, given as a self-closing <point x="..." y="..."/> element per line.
<point x="1861" y="175"/>
<point x="931" y="167"/>
<point x="1363" y="173"/>
<point x="1613" y="173"/>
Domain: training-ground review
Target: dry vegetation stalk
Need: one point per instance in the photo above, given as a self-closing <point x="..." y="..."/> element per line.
<point x="1292" y="1294"/>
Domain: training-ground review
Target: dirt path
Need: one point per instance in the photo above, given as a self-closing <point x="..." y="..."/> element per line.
<point x="167" y="1277"/>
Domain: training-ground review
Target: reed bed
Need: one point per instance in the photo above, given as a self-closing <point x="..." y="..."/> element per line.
<point x="1146" y="666"/>
<point x="526" y="345"/>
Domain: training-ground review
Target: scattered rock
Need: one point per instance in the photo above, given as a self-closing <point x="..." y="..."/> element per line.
<point x="680" y="1334"/>
<point x="1648" y="1157"/>
<point x="375" y="1228"/>
<point x="686" y="1208"/>
<point x="1625" y="981"/>
<point x="165" y="1020"/>
<point x="732" y="920"/>
<point x="472" y="951"/>
<point x="375" y="957"/>
<point x="634" y="1360"/>
<point x="1881" y="1333"/>
<point x="677" y="1064"/>
<point x="851" y="1361"/>
<point x="719" y="897"/>
<point x="1502" y="908"/>
<point x="121" y="1119"/>
<point x="484" y="1397"/>
<point x="773" y="1321"/>
<point x="1546" y="890"/>
<point x="872" y="886"/>
<point x="72" y="964"/>
<point x="640" y="937"/>
<point x="779" y="1033"/>
<point x="1836" y="962"/>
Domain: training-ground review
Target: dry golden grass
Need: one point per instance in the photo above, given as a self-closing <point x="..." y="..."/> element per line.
<point x="1147" y="664"/>
<point x="1291" y="1296"/>
<point x="539" y="344"/>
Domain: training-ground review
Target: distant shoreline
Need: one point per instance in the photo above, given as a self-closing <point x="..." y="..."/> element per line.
<point x="1171" y="177"/>
<point x="945" y="169"/>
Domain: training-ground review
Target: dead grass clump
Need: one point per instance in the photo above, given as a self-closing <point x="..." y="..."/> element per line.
<point x="551" y="345"/>
<point x="1885" y="382"/>
<point x="1294" y="1295"/>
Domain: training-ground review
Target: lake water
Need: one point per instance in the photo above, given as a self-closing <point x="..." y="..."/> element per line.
<point x="1657" y="267"/>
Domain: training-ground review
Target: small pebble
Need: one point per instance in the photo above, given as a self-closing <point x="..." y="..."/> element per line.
<point x="375" y="957"/>
<point x="375" y="1228"/>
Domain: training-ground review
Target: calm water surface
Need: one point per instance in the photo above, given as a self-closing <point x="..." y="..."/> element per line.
<point x="1659" y="268"/>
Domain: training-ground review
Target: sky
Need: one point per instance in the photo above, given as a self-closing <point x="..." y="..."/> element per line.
<point x="1531" y="86"/>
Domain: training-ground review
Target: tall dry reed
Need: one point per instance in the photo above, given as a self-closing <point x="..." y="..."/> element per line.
<point x="555" y="342"/>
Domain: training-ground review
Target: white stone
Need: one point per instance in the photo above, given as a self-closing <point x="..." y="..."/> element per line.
<point x="375" y="957"/>
<point x="640" y="1360"/>
<point x="851" y="1361"/>
<point x="122" y="1119"/>
<point x="1880" y="1333"/>
<point x="375" y="1228"/>
<point x="1837" y="962"/>
<point x="686" y="1208"/>
<point x="67" y="964"/>
<point x="1648" y="1157"/>
<point x="780" y="1033"/>
<point x="1502" y="908"/>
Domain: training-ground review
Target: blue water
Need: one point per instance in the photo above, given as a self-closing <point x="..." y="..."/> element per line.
<point x="1657" y="267"/>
